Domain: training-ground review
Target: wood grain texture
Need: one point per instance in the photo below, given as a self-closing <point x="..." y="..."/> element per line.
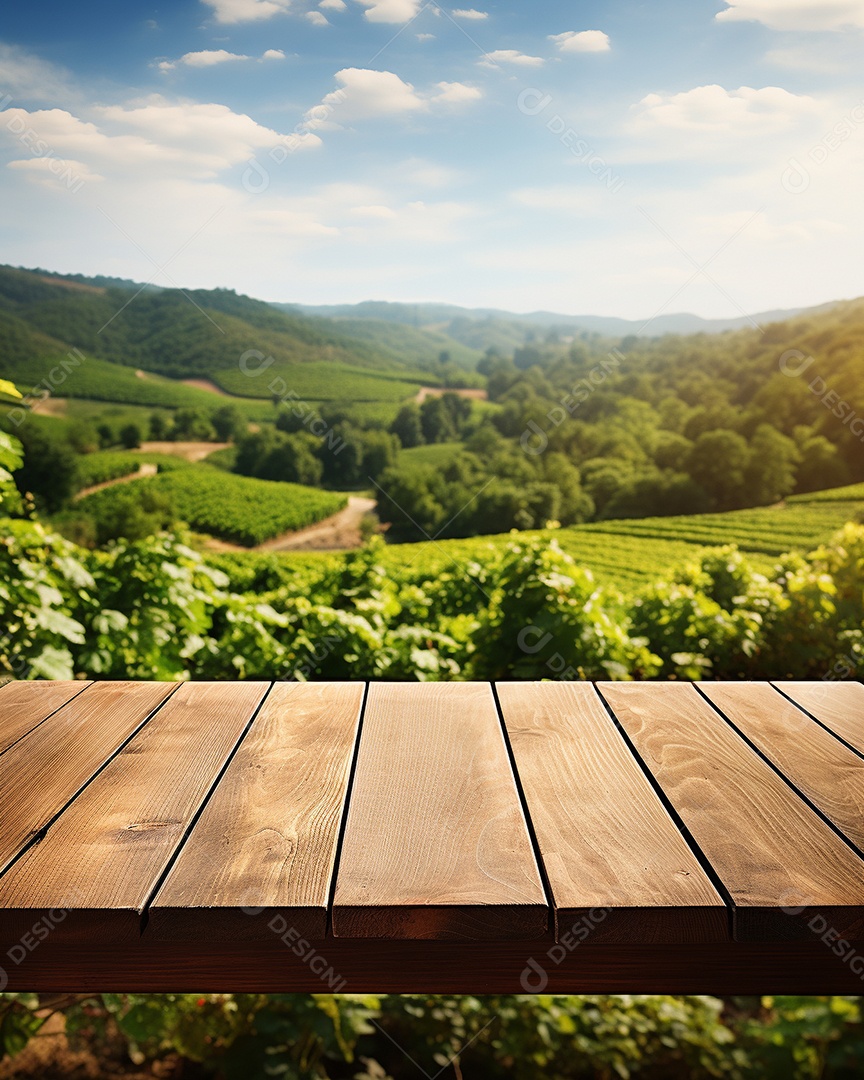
<point x="619" y="868"/>
<point x="100" y="861"/>
<point x="266" y="841"/>
<point x="778" y="860"/>
<point x="24" y="705"/>
<point x="838" y="705"/>
<point x="436" y="844"/>
<point x="45" y="769"/>
<point x="819" y="765"/>
<point x="437" y="967"/>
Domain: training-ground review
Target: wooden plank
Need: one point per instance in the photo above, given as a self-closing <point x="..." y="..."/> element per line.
<point x="45" y="769"/>
<point x="827" y="772"/>
<point x="436" y="844"/>
<point x="266" y="842"/>
<point x="619" y="868"/>
<point x="24" y="705"/>
<point x="435" y="967"/>
<point x="776" y="857"/>
<point x="838" y="705"/>
<point x="102" y="858"/>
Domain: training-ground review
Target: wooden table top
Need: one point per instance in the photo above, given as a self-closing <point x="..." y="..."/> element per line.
<point x="436" y="820"/>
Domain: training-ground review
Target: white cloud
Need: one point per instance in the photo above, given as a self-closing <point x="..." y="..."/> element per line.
<point x="796" y="14"/>
<point x="712" y="109"/>
<point x="333" y="5"/>
<point x="53" y="172"/>
<point x="237" y="11"/>
<point x="582" y="41"/>
<point x="391" y="11"/>
<point x="210" y="57"/>
<point x="456" y="93"/>
<point x="179" y="142"/>
<point x="510" y="56"/>
<point x="29" y="77"/>
<point x="316" y="18"/>
<point x="469" y="13"/>
<point x="425" y="37"/>
<point x="366" y="94"/>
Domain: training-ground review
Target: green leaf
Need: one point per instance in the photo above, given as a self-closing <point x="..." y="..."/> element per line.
<point x="53" y="663"/>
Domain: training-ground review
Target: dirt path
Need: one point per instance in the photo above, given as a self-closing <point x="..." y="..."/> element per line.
<point x="340" y="532"/>
<point x="189" y="451"/>
<point x="335" y="533"/>
<point x="206" y="384"/>
<point x="50" y="406"/>
<point x="439" y="391"/>
<point x="143" y="470"/>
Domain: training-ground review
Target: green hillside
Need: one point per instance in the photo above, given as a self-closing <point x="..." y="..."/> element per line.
<point x="192" y="334"/>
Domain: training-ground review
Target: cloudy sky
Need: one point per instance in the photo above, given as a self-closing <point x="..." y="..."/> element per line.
<point x="616" y="158"/>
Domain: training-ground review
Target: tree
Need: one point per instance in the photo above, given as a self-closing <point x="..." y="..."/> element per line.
<point x="407" y="426"/>
<point x="436" y="421"/>
<point x="718" y="463"/>
<point x="380" y="450"/>
<point x="49" y="471"/>
<point x="229" y="423"/>
<point x="773" y="462"/>
<point x="83" y="437"/>
<point x="821" y="465"/>
<point x="130" y="436"/>
<point x="293" y="460"/>
<point x="133" y="513"/>
<point x="193" y="425"/>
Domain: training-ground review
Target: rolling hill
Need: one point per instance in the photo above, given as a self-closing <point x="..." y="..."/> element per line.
<point x="123" y="329"/>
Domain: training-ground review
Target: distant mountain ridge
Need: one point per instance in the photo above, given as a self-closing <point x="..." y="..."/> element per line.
<point x="425" y="315"/>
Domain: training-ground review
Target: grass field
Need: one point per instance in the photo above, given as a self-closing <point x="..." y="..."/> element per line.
<point x="234" y="508"/>
<point x="437" y="454"/>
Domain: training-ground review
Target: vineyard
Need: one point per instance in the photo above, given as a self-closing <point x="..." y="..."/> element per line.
<point x="105" y="465"/>
<point x="766" y="531"/>
<point x="626" y="562"/>
<point x="635" y="552"/>
<point x="318" y="382"/>
<point x="628" y="554"/>
<point x="233" y="508"/>
<point x="843" y="494"/>
<point x="99" y="380"/>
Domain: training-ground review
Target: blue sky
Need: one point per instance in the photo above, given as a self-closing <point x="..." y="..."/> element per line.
<point x="620" y="158"/>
